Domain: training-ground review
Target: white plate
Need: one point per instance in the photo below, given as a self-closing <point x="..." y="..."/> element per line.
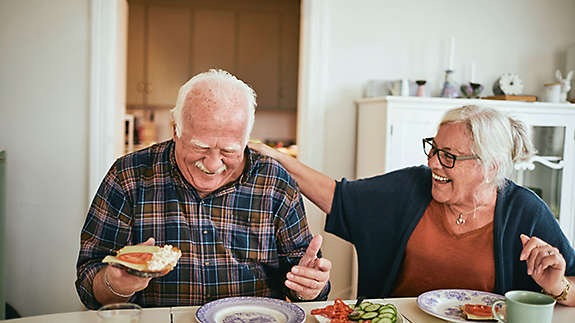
<point x="250" y="309"/>
<point x="323" y="319"/>
<point x="446" y="303"/>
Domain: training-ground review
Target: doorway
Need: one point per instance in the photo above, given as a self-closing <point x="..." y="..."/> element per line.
<point x="171" y="41"/>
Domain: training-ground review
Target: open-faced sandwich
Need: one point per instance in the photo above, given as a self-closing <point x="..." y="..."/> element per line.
<point x="476" y="312"/>
<point x="146" y="261"/>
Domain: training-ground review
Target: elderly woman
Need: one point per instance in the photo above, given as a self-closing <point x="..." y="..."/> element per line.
<point x="458" y="223"/>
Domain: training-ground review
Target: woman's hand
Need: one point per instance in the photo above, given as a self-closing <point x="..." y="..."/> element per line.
<point x="545" y="264"/>
<point x="264" y="149"/>
<point x="311" y="275"/>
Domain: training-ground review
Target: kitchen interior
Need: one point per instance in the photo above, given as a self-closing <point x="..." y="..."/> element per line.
<point x="341" y="46"/>
<point x="171" y="41"/>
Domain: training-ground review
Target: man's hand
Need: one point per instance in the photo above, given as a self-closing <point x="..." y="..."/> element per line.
<point x="310" y="276"/>
<point x="544" y="263"/>
<point x="122" y="282"/>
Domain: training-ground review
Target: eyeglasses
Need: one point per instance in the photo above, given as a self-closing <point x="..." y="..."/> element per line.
<point x="446" y="159"/>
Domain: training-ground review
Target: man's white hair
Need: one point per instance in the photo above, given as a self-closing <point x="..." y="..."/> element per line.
<point x="223" y="81"/>
<point x="499" y="140"/>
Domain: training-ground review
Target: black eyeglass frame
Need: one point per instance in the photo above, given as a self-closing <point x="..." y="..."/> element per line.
<point x="434" y="150"/>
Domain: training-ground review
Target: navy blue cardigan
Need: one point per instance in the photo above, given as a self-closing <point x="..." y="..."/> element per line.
<point x="379" y="214"/>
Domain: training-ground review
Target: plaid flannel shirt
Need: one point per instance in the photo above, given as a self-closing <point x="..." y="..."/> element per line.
<point x="239" y="240"/>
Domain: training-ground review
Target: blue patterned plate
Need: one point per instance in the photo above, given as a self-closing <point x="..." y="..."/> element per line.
<point x="446" y="303"/>
<point x="250" y="310"/>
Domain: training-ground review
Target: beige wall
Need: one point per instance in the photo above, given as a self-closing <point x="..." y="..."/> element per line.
<point x="44" y="74"/>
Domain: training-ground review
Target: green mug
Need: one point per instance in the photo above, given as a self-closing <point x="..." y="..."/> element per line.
<point x="524" y="307"/>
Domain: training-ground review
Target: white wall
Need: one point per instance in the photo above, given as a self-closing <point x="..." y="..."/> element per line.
<point x="44" y="73"/>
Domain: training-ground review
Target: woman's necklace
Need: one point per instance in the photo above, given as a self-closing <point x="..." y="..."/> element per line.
<point x="460" y="219"/>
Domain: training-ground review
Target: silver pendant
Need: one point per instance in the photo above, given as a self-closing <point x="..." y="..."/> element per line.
<point x="460" y="219"/>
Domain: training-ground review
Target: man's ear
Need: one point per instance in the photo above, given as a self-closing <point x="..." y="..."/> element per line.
<point x="173" y="125"/>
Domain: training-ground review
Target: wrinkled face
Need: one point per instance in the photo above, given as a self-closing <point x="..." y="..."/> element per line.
<point x="210" y="152"/>
<point x="455" y="185"/>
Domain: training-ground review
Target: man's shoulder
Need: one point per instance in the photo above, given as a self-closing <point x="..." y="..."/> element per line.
<point x="145" y="160"/>
<point x="264" y="166"/>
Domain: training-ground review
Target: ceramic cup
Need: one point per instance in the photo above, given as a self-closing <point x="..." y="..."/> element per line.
<point x="524" y="307"/>
<point x="552" y="92"/>
<point x="120" y="313"/>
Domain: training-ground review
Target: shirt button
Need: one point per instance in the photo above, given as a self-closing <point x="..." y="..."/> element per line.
<point x="205" y="232"/>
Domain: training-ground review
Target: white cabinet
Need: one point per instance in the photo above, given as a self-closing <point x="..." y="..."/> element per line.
<point x="390" y="129"/>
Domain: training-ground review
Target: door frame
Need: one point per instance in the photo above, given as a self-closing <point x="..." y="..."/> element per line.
<point x="108" y="85"/>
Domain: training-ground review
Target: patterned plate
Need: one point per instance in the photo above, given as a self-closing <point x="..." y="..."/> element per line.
<point x="446" y="303"/>
<point x="250" y="309"/>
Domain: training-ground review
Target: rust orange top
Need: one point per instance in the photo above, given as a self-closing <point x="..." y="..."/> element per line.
<point x="437" y="258"/>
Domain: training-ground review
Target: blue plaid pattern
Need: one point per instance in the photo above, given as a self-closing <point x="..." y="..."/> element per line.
<point x="240" y="240"/>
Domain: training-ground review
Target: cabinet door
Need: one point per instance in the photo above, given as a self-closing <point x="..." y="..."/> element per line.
<point x="168" y="53"/>
<point x="213" y="41"/>
<point x="258" y="55"/>
<point x="407" y="129"/>
<point x="289" y="61"/>
<point x="136" y="55"/>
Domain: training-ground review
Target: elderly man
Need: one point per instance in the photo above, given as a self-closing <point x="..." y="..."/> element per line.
<point x="237" y="216"/>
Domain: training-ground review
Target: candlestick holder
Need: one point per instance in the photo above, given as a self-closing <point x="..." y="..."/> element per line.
<point x="471" y="90"/>
<point x="449" y="86"/>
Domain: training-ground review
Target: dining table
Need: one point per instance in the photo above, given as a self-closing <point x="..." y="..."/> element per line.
<point x="187" y="314"/>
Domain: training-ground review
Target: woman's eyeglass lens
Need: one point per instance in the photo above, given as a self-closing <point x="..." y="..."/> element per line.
<point x="446" y="159"/>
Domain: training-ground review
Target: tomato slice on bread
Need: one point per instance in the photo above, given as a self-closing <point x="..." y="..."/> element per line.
<point x="136" y="257"/>
<point x="478" y="312"/>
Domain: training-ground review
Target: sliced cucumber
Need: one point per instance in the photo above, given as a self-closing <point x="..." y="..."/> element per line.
<point x="368" y="315"/>
<point x="372" y="307"/>
<point x="355" y="315"/>
<point x="387" y="315"/>
<point x="364" y="305"/>
<point x="388" y="310"/>
<point x="386" y="320"/>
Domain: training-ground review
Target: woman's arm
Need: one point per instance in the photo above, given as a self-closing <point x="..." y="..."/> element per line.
<point x="316" y="186"/>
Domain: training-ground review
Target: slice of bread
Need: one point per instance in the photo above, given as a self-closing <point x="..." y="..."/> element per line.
<point x="161" y="259"/>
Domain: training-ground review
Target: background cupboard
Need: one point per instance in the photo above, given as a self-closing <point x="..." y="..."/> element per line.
<point x="170" y="41"/>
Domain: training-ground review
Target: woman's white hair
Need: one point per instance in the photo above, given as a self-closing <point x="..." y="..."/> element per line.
<point x="223" y="81"/>
<point x="499" y="140"/>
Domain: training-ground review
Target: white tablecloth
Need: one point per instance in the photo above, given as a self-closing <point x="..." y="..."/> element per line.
<point x="406" y="306"/>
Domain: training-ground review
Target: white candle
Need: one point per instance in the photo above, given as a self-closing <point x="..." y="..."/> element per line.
<point x="451" y="53"/>
<point x="472" y="73"/>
